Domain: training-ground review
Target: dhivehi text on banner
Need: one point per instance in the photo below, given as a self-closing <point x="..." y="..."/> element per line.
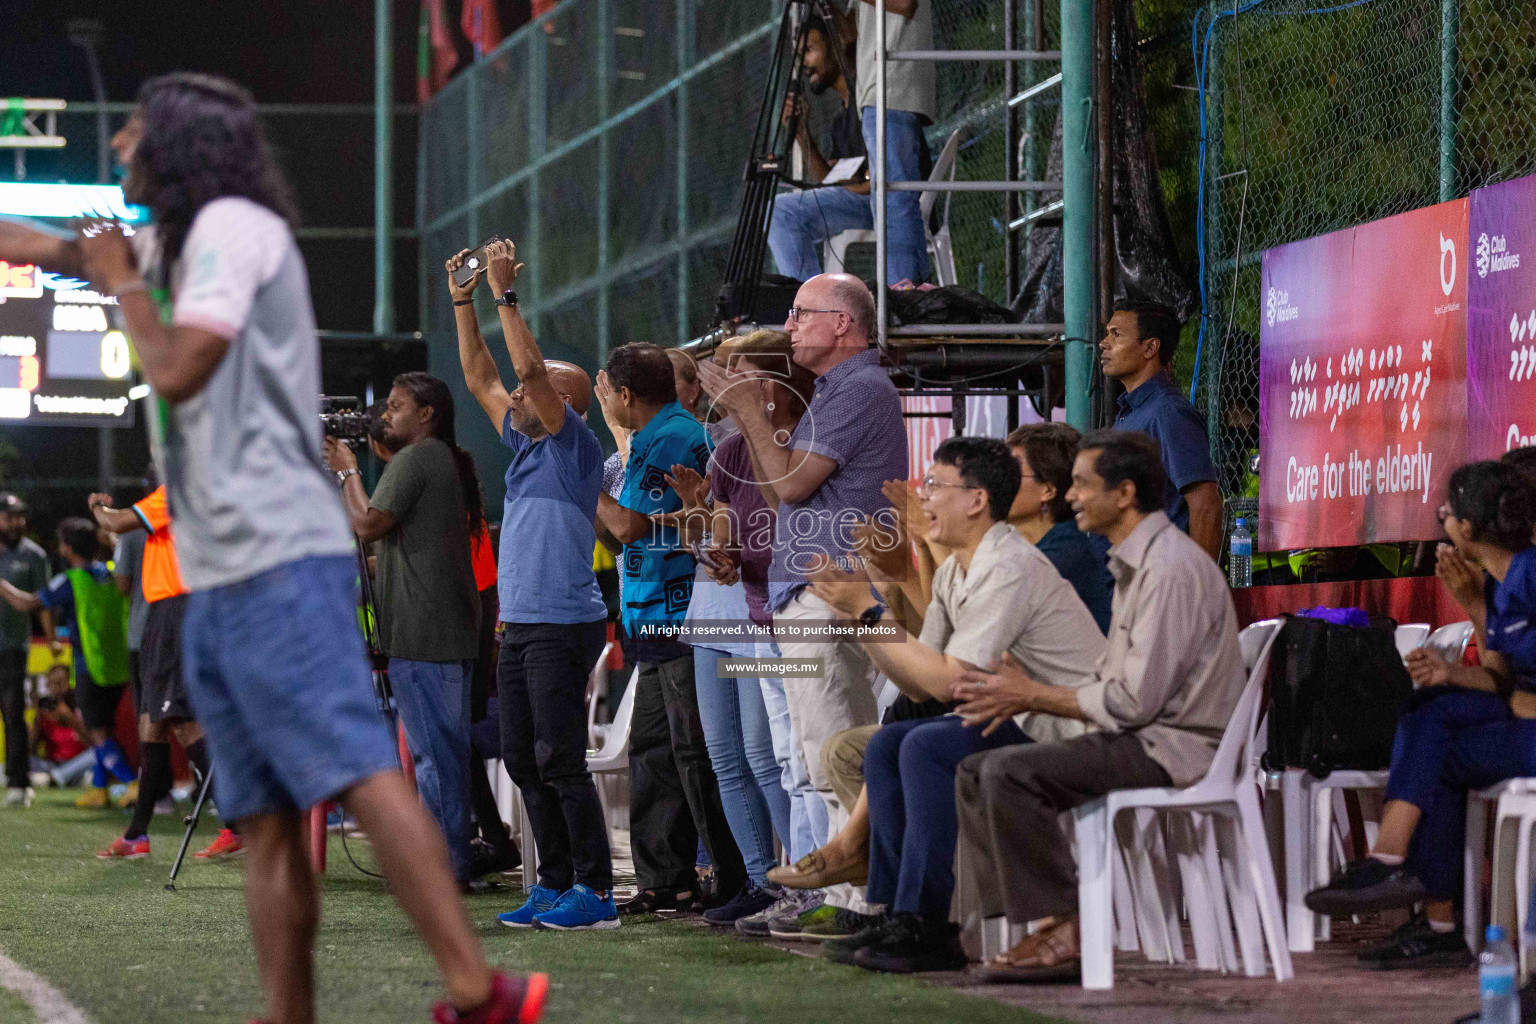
<point x="1363" y="380"/>
<point x="1501" y="331"/>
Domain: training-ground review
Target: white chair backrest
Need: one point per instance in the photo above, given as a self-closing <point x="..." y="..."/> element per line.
<point x="617" y="740"/>
<point x="943" y="170"/>
<point x="1410" y="636"/>
<point x="1231" y="760"/>
<point x="1451" y="641"/>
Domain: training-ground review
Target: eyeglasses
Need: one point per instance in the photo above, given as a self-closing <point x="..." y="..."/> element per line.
<point x="798" y="313"/>
<point x="1444" y="512"/>
<point x="929" y="485"/>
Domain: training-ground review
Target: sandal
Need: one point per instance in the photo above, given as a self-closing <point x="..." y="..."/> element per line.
<point x="1047" y="955"/>
<point x="817" y="870"/>
<point x="658" y="901"/>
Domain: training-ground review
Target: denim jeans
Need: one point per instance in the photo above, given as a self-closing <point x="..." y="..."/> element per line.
<point x="541" y="695"/>
<point x="906" y="237"/>
<point x="909" y="773"/>
<point x="674" y="798"/>
<point x="433" y="698"/>
<point x="807" y="824"/>
<point x="68" y="773"/>
<point x="741" y="750"/>
<point x="803" y="220"/>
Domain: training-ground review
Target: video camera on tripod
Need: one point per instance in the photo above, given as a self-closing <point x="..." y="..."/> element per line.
<point x="741" y="297"/>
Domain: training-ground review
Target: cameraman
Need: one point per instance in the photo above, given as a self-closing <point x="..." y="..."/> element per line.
<point x="422" y="513"/>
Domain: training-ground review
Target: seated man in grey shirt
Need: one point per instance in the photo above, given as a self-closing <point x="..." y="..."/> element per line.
<point x="1161" y="697"/>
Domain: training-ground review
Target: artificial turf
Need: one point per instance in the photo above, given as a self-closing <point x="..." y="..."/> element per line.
<point x="123" y="949"/>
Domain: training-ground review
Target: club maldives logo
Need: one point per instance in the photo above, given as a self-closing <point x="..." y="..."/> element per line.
<point x="1278" y="308"/>
<point x="1447" y="269"/>
<point x="1493" y="255"/>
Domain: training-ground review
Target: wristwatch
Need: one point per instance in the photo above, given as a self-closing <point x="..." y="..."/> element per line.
<point x="508" y="298"/>
<point x="341" y="477"/>
<point x="871" y="615"/>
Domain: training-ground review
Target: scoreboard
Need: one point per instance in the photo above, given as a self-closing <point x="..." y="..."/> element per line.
<point x="63" y="361"/>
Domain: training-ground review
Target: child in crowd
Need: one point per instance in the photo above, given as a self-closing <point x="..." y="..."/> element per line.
<point x="60" y="750"/>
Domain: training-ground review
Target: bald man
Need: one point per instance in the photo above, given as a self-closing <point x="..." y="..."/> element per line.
<point x="553" y="620"/>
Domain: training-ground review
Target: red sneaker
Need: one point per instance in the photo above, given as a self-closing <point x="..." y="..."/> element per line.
<point x="513" y="1001"/>
<point x="226" y="844"/>
<point x="126" y="849"/>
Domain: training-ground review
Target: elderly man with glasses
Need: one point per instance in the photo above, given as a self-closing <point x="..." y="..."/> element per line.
<point x="825" y="481"/>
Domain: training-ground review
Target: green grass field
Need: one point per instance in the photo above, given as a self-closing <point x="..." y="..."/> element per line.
<point x="123" y="949"/>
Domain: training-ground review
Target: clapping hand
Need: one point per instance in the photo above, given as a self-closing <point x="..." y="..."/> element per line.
<point x="1460" y="577"/>
<point x="845" y="590"/>
<point x="686" y="482"/>
<point x="108" y="259"/>
<point x="727" y="393"/>
<point x="884" y="551"/>
<point x="994" y="697"/>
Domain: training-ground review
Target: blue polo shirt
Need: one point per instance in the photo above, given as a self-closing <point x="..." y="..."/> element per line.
<point x="545" y="571"/>
<point x="1159" y="410"/>
<point x="1082" y="564"/>
<point x="1511" y="608"/>
<point x="657" y="570"/>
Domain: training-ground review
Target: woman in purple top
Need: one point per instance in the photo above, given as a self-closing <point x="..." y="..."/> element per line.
<point x="746" y="721"/>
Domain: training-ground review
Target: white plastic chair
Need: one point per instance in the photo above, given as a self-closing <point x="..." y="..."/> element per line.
<point x="1312" y="805"/>
<point x="610" y="763"/>
<point x="1229" y="795"/>
<point x="597" y="685"/>
<point x="1514" y="803"/>
<point x="941" y="251"/>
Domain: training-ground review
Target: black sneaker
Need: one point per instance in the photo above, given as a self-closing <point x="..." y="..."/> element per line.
<point x="485" y="859"/>
<point x="657" y="901"/>
<point x="843" y="924"/>
<point x="912" y="943"/>
<point x="750" y="900"/>
<point x="842" y="951"/>
<point x="1365" y="886"/>
<point x="1416" y="944"/>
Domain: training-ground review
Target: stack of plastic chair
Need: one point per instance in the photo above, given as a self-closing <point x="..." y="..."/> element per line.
<point x="1514" y="802"/>
<point x="1227" y="801"/>
<point x="610" y="764"/>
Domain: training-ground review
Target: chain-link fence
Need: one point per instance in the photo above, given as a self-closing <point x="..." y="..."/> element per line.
<point x="609" y="138"/>
<point x="1324" y="115"/>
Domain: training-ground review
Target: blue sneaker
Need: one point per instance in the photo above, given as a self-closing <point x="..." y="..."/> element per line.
<point x="540" y="899"/>
<point x="580" y="907"/>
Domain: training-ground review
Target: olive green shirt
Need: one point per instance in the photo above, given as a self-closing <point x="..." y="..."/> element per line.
<point x="429" y="609"/>
<point x="24" y="567"/>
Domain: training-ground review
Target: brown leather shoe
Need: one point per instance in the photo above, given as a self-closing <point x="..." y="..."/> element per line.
<point x="821" y="868"/>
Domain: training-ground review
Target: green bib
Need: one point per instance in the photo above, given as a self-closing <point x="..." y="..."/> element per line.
<point x="101" y="616"/>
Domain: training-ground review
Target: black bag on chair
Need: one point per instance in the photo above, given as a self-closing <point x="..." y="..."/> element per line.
<point x="1335" y="693"/>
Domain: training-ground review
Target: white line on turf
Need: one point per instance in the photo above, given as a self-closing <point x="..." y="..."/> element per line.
<point x="46" y="1001"/>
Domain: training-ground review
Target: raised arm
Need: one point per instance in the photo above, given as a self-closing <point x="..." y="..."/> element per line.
<point x="480" y="373"/>
<point x="178" y="360"/>
<point x="21" y="244"/>
<point x="527" y="360"/>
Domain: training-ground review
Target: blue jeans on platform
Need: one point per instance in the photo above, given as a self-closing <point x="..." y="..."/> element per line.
<point x="802" y="221"/>
<point x="909" y="775"/>
<point x="740" y="749"/>
<point x="1448" y="742"/>
<point x="433" y="698"/>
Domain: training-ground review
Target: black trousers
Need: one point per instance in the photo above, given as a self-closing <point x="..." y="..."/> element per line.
<point x="542" y="684"/>
<point x="674" y="798"/>
<point x="13" y="705"/>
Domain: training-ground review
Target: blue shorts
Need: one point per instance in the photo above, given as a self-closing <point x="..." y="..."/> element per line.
<point x="279" y="679"/>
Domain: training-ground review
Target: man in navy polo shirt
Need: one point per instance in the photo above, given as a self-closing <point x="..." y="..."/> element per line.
<point x="553" y="621"/>
<point x="675" y="800"/>
<point x="1139" y="342"/>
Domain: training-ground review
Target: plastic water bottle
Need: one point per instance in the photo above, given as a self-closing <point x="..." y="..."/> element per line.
<point x="1240" y="556"/>
<point x="1496" y="979"/>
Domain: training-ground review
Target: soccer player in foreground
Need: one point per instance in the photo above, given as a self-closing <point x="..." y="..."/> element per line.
<point x="274" y="662"/>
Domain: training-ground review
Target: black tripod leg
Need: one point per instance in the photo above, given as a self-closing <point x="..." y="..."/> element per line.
<point x="192" y="820"/>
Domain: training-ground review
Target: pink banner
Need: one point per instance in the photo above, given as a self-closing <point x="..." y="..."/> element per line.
<point x="1362" y="378"/>
<point x="1501" y="333"/>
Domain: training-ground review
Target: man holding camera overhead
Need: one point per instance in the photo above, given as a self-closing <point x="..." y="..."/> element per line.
<point x="553" y="620"/>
